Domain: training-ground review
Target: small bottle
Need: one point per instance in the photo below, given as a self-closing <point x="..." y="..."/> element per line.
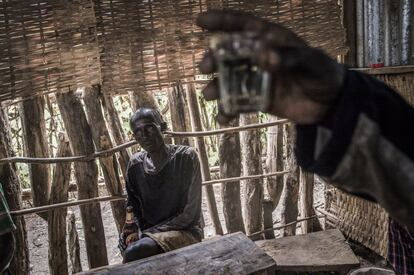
<point x="130" y="229"/>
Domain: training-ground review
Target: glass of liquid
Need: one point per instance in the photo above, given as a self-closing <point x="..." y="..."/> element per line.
<point x="244" y="87"/>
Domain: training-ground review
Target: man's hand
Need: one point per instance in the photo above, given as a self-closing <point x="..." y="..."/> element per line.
<point x="305" y="81"/>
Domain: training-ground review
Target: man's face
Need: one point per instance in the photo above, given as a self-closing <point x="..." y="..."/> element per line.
<point x="148" y="135"/>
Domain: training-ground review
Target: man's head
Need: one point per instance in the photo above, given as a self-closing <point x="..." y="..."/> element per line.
<point x="147" y="125"/>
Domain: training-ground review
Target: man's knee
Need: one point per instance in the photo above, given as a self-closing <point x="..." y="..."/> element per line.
<point x="143" y="248"/>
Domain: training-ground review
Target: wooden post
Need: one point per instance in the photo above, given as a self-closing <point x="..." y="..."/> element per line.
<point x="268" y="218"/>
<point x="178" y="113"/>
<point x="115" y="129"/>
<point x="86" y="174"/>
<point x="74" y="249"/>
<point x="291" y="196"/>
<point x="350" y="24"/>
<point x="35" y="141"/>
<point x="20" y="264"/>
<point x="142" y="99"/>
<point x="230" y="166"/>
<point x="56" y="224"/>
<point x="103" y="142"/>
<point x="274" y="162"/>
<point x="252" y="165"/>
<point x="306" y="203"/>
<point x="205" y="171"/>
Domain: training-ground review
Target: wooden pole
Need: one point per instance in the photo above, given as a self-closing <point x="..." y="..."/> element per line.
<point x="121" y="147"/>
<point x="35" y="141"/>
<point x="268" y="218"/>
<point x="306" y="202"/>
<point x="102" y="142"/>
<point x="205" y="172"/>
<point x="291" y="196"/>
<point x="274" y="161"/>
<point x="20" y="264"/>
<point x="115" y="129"/>
<point x="142" y="98"/>
<point x="86" y="174"/>
<point x="74" y="248"/>
<point x="230" y="166"/>
<point x="178" y="112"/>
<point x="252" y="164"/>
<point x="56" y="224"/>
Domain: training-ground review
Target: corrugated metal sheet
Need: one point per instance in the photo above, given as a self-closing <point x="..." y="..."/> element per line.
<point x="385" y="32"/>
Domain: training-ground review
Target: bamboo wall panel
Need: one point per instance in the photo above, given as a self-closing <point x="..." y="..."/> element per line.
<point x="50" y="45"/>
<point x="46" y="46"/>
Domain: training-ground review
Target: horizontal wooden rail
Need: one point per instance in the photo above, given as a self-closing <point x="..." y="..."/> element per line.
<point x="109" y="152"/>
<point x="50" y="207"/>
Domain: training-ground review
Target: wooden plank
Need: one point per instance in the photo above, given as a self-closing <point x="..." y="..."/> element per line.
<point x="230" y="254"/>
<point x="319" y="251"/>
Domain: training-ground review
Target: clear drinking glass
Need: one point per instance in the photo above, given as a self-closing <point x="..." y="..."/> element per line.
<point x="243" y="86"/>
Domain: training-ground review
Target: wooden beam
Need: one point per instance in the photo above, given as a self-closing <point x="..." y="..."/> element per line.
<point x="252" y="164"/>
<point x="86" y="174"/>
<point x="274" y="161"/>
<point x="56" y="222"/>
<point x="74" y="248"/>
<point x="230" y="166"/>
<point x="291" y="184"/>
<point x="109" y="152"/>
<point x="268" y="219"/>
<point x="20" y="264"/>
<point x="200" y="145"/>
<point x="349" y="22"/>
<point x="35" y="141"/>
<point x="306" y="187"/>
<point x="115" y="129"/>
<point x="102" y="141"/>
<point x="179" y="113"/>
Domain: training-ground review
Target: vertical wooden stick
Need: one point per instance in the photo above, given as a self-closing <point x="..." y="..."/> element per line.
<point x="230" y="166"/>
<point x="86" y="174"/>
<point x="74" y="249"/>
<point x="252" y="165"/>
<point x="56" y="223"/>
<point x="205" y="171"/>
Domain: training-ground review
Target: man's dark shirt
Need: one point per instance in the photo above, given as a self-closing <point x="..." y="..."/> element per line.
<point x="365" y="145"/>
<point x="169" y="199"/>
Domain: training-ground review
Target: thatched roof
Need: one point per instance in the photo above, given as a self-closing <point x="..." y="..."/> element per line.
<point x="56" y="45"/>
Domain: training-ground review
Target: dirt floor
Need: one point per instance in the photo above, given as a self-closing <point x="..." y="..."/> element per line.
<point x="38" y="239"/>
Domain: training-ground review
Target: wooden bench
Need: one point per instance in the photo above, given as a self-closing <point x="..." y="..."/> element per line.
<point x="314" y="252"/>
<point x="230" y="254"/>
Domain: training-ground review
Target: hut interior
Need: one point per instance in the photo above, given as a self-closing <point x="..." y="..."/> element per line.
<point x="72" y="72"/>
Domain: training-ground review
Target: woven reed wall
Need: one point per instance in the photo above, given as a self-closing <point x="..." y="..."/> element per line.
<point x="358" y="219"/>
<point x="55" y="45"/>
<point x="46" y="46"/>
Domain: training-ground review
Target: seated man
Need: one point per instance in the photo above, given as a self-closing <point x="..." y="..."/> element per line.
<point x="164" y="188"/>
